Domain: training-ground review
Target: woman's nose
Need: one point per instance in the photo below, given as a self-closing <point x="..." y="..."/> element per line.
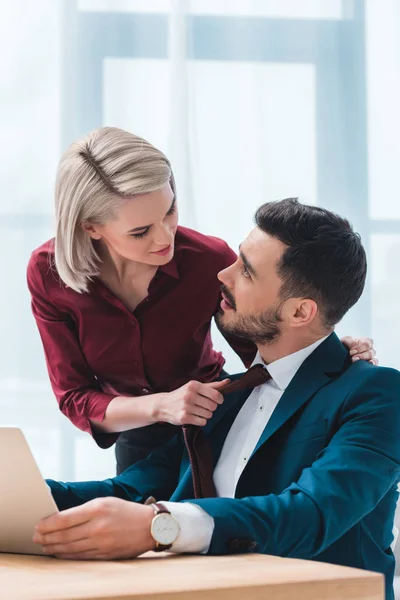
<point x="164" y="236"/>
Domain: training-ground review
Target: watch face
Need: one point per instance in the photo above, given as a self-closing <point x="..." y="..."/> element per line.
<point x="164" y="529"/>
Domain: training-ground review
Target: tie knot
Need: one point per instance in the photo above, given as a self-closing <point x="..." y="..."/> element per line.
<point x="256" y="375"/>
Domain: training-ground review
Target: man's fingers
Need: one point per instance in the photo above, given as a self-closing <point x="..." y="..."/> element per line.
<point x="79" y="546"/>
<point x="62" y="536"/>
<point x="66" y="518"/>
<point x="88" y="555"/>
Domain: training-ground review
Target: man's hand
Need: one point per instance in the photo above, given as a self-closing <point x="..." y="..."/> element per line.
<point x="362" y="349"/>
<point x="101" y="529"/>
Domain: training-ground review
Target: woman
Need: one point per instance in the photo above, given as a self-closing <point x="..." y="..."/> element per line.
<point x="123" y="299"/>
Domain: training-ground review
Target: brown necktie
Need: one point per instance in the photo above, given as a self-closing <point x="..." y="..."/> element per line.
<point x="199" y="451"/>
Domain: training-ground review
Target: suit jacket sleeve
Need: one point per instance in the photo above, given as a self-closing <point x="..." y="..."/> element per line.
<point x="345" y="483"/>
<point x="157" y="476"/>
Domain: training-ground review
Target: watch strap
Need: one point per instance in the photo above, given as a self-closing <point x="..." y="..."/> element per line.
<point x="159" y="508"/>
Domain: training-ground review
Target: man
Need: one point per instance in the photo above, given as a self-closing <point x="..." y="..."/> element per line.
<point x="305" y="465"/>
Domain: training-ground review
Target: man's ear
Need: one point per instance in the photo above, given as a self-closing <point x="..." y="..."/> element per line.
<point x="300" y="311"/>
<point x="91" y="230"/>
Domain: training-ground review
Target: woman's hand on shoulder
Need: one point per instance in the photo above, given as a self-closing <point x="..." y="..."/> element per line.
<point x="361" y="349"/>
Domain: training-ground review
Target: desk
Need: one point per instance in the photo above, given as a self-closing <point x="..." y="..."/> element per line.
<point x="170" y="577"/>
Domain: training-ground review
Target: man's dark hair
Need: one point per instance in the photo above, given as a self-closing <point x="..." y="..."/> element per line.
<point x="325" y="259"/>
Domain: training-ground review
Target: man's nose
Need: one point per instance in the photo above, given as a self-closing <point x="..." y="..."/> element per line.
<point x="225" y="276"/>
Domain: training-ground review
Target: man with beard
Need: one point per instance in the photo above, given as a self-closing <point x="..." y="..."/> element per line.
<point x="301" y="459"/>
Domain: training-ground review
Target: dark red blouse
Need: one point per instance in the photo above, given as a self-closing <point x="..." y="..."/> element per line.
<point x="96" y="349"/>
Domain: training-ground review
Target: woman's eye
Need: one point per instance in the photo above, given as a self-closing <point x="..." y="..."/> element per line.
<point x="139" y="235"/>
<point x="171" y="210"/>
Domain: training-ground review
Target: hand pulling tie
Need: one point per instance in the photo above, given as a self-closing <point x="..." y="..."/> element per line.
<point x="201" y="460"/>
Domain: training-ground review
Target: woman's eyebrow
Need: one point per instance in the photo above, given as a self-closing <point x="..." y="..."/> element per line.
<point x="148" y="226"/>
<point x="138" y="228"/>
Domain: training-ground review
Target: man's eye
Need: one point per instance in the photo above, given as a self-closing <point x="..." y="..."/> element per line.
<point x="245" y="272"/>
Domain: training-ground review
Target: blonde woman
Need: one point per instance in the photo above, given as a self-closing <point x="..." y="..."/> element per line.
<point x="124" y="297"/>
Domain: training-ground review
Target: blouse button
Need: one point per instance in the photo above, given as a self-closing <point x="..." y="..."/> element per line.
<point x="145" y="391"/>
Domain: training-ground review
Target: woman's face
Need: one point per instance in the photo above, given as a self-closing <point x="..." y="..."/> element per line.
<point x="143" y="230"/>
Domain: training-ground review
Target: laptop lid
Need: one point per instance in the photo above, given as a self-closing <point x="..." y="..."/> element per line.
<point x="24" y="495"/>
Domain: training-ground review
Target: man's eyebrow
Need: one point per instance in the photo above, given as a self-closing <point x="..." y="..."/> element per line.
<point x="246" y="263"/>
<point x="148" y="226"/>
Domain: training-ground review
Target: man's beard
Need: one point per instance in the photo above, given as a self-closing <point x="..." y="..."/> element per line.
<point x="263" y="328"/>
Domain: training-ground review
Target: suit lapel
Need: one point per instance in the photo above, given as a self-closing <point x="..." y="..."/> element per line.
<point x="317" y="370"/>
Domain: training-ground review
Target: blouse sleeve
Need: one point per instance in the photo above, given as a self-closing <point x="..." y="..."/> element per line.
<point x="74" y="384"/>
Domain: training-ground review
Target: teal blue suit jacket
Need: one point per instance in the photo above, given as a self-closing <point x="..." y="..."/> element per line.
<point x="321" y="483"/>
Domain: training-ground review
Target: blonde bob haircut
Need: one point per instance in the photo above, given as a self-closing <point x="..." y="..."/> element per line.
<point x="95" y="176"/>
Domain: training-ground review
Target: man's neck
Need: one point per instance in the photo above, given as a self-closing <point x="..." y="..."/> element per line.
<point x="288" y="344"/>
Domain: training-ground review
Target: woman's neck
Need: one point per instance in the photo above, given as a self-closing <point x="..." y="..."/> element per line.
<point x="121" y="268"/>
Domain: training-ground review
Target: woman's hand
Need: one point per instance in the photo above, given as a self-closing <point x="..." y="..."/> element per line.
<point x="191" y="404"/>
<point x="361" y="349"/>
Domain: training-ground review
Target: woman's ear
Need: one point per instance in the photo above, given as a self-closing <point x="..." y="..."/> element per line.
<point x="91" y="230"/>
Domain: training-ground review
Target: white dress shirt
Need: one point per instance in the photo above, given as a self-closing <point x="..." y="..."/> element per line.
<point x="197" y="526"/>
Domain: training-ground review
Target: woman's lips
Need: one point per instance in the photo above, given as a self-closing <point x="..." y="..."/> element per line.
<point x="164" y="251"/>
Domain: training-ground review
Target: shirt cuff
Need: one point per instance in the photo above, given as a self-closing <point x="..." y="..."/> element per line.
<point x="196" y="527"/>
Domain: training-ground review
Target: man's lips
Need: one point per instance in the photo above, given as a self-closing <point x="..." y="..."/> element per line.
<point x="225" y="304"/>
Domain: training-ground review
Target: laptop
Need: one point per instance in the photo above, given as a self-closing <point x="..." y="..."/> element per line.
<point x="24" y="496"/>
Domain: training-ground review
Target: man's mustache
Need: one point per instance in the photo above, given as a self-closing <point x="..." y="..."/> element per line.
<point x="228" y="295"/>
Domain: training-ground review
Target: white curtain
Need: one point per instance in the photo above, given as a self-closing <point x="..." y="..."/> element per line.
<point x="251" y="100"/>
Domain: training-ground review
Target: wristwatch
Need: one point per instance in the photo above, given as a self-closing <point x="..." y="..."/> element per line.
<point x="164" y="528"/>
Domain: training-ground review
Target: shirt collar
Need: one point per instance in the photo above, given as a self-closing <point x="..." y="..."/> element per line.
<point x="284" y="369"/>
<point x="170" y="268"/>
